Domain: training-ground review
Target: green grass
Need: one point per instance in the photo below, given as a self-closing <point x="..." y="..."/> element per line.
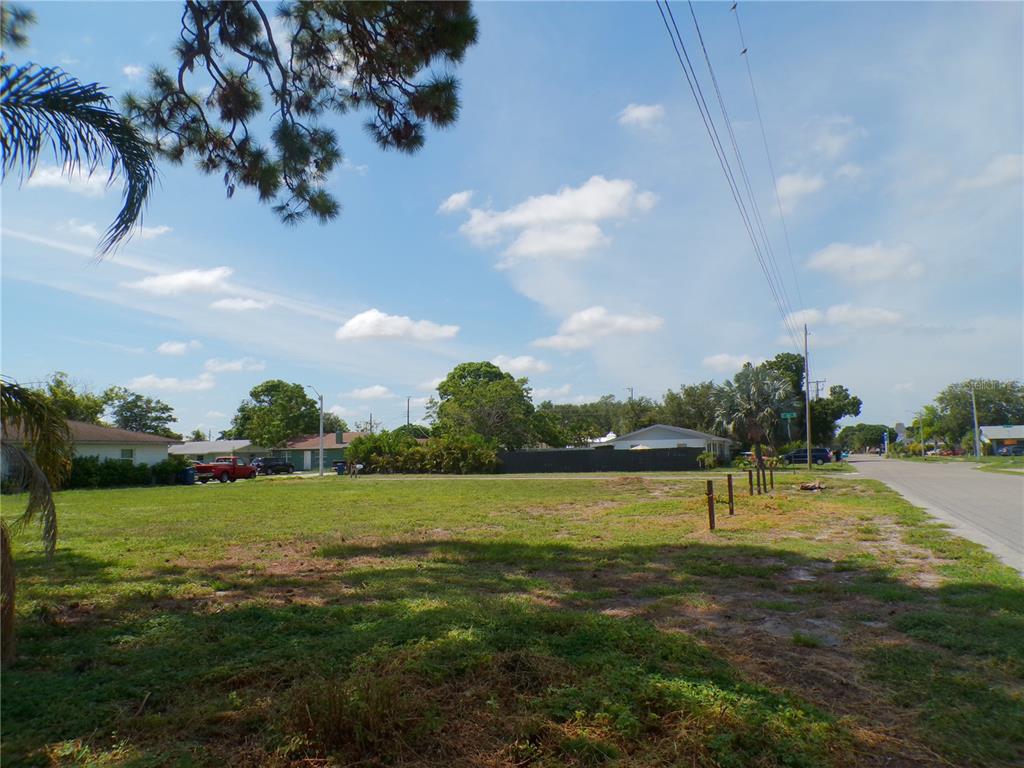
<point x="534" y="622"/>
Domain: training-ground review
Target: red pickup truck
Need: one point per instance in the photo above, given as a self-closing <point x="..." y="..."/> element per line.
<point x="224" y="469"/>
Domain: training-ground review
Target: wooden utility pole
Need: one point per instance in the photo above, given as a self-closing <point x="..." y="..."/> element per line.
<point x="807" y="397"/>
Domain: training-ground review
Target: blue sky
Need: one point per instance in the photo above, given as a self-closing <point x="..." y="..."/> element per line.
<point x="574" y="225"/>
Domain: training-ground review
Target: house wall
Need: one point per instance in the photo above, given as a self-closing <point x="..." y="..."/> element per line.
<point x="715" y="446"/>
<point x="144" y="454"/>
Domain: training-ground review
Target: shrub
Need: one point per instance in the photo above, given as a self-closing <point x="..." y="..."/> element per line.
<point x="90" y="472"/>
<point x="397" y="451"/>
<point x="707" y="460"/>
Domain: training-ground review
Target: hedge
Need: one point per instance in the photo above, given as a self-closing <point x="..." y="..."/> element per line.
<point x="395" y="451"/>
<point x="90" y="472"/>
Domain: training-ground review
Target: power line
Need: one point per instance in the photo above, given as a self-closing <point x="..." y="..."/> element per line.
<point x="764" y="138"/>
<point x="770" y="253"/>
<point x="683" y="58"/>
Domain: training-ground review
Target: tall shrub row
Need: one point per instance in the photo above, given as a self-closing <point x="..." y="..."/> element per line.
<point x="397" y="452"/>
<point x="90" y="472"/>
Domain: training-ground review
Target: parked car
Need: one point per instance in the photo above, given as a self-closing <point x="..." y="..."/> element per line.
<point x="272" y="465"/>
<point x="1012" y="450"/>
<point x="224" y="469"/>
<point x="799" y="456"/>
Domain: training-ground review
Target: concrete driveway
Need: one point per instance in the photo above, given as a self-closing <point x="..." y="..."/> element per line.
<point x="986" y="507"/>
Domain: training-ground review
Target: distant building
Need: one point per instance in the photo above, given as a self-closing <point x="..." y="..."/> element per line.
<point x="1003" y="437"/>
<point x="666" y="436"/>
<point x="208" y="450"/>
<point x="304" y="452"/>
<point x="112" y="443"/>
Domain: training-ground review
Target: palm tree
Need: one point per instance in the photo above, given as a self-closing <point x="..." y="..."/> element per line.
<point x="750" y="404"/>
<point x="35" y="453"/>
<point x="44" y="106"/>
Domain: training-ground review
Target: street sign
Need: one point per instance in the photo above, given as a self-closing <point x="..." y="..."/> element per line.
<point x="789" y="415"/>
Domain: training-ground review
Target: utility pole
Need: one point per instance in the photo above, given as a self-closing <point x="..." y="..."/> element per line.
<point x="807" y="397"/>
<point x="321" y="399"/>
<point x="408" y="401"/>
<point x="818" y="386"/>
<point x="630" y="390"/>
<point x="977" y="439"/>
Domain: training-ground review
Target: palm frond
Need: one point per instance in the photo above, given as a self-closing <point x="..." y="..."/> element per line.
<point x="42" y="106"/>
<point x="35" y="449"/>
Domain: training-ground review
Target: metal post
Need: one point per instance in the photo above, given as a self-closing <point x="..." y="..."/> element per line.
<point x="321" y="435"/>
<point x="711" y="505"/>
<point x="732" y="506"/>
<point x="977" y="439"/>
<point x="807" y="397"/>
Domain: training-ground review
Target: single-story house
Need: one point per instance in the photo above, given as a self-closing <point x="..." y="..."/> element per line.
<point x="304" y="451"/>
<point x="666" y="436"/>
<point x="1004" y="436"/>
<point x="208" y="450"/>
<point x="113" y="443"/>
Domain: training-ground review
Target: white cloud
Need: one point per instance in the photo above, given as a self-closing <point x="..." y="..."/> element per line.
<point x="151" y="382"/>
<point x="215" y="415"/>
<point x="239" y="304"/>
<point x="723" y="362"/>
<point x="803" y="316"/>
<point x="216" y="365"/>
<point x="359" y="168"/>
<point x="456" y="202"/>
<point x="582" y="329"/>
<point x="566" y="223"/>
<point x="861" y="317"/>
<point x="81" y="228"/>
<point x="845" y="315"/>
<point x="186" y="281"/>
<point x="867" y="263"/>
<point x="343" y="412"/>
<point x="849" y="171"/>
<point x="642" y="115"/>
<point x="551" y="393"/>
<point x="133" y="71"/>
<point x="1004" y="169"/>
<point x="521" y="364"/>
<point x="430" y="384"/>
<point x="177" y="347"/>
<point x="374" y="392"/>
<point x="89" y="185"/>
<point x="374" y="324"/>
<point x="794" y="186"/>
<point x="831" y="136"/>
<point x="151" y="233"/>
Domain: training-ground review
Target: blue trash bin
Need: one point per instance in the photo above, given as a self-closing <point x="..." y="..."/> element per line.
<point x="188" y="476"/>
<point x="340" y="468"/>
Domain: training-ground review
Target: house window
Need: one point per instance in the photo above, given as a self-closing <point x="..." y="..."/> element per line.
<point x="128" y="454"/>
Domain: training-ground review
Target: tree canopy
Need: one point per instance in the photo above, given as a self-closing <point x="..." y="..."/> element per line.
<point x="276" y="412"/>
<point x="130" y="410"/>
<point x="998" y="402"/>
<point x="73" y="401"/>
<point x="244" y="70"/>
<point x="751" y="404"/>
<point x="480" y="398"/>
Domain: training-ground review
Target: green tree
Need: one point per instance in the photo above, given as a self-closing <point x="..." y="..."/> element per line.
<point x="998" y="402"/>
<point x="74" y="402"/>
<point x="275" y="412"/>
<point x="46" y="107"/>
<point x="636" y="413"/>
<point x="319" y="58"/>
<point x="692" y="406"/>
<point x="750" y="404"/>
<point x="827" y="411"/>
<point x="130" y="410"/>
<point x="480" y="398"/>
<point x="197" y="435"/>
<point x="858" y="437"/>
<point x="37" y="461"/>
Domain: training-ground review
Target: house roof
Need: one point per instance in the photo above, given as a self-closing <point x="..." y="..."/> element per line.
<point x="311" y="442"/>
<point x="682" y="432"/>
<point x="86" y="432"/>
<point x="1006" y="432"/>
<point x="211" y="446"/>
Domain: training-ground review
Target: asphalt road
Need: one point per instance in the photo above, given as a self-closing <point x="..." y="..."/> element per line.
<point x="986" y="507"/>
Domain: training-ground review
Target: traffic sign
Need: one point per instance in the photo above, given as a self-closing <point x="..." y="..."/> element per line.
<point x="789" y="415"/>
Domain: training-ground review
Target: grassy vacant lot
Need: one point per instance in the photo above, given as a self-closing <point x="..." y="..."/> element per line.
<point x="512" y="622"/>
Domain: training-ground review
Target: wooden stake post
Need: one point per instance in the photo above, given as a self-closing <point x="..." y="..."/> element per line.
<point x="711" y="505"/>
<point x="771" y="475"/>
<point x="750" y="480"/>
<point x="732" y="507"/>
